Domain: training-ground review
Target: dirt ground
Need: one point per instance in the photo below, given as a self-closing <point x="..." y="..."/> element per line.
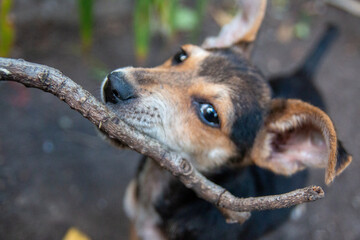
<point x="55" y="172"/>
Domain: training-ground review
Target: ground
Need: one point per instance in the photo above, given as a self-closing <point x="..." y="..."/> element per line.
<point x="55" y="172"/>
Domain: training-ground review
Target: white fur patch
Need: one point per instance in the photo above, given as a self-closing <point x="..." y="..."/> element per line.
<point x="102" y="89"/>
<point x="217" y="155"/>
<point x="130" y="201"/>
<point x="123" y="69"/>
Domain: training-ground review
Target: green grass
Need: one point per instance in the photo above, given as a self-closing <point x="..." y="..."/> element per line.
<point x="7" y="32"/>
<point x="86" y="23"/>
<point x="167" y="17"/>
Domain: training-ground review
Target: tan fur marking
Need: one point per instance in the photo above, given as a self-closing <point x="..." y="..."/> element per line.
<point x="195" y="56"/>
<point x="219" y="96"/>
<point x="202" y="137"/>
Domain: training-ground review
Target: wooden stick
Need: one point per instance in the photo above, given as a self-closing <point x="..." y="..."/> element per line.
<point x="53" y="81"/>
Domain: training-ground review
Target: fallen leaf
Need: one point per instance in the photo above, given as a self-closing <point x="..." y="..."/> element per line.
<point x="75" y="234"/>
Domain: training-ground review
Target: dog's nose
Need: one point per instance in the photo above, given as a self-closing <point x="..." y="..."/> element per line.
<point x="117" y="89"/>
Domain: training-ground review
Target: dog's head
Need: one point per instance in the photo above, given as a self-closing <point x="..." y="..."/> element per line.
<point x="212" y="106"/>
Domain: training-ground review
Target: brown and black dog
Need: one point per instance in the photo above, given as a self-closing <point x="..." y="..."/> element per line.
<point x="213" y="107"/>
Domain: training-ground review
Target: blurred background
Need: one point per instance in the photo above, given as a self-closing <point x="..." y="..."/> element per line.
<point x="56" y="173"/>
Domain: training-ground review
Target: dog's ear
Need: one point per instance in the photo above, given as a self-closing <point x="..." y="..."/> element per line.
<point x="243" y="29"/>
<point x="296" y="135"/>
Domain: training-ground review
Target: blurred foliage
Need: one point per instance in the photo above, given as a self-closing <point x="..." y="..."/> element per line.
<point x="302" y="27"/>
<point x="7" y="32"/>
<point x="86" y="22"/>
<point x="200" y="12"/>
<point x="99" y="70"/>
<point x="142" y="27"/>
<point x="150" y="16"/>
<point x="165" y="16"/>
<point x="280" y="4"/>
<point x="302" y="30"/>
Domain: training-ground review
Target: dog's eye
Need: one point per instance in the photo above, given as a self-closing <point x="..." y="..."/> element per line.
<point x="208" y="114"/>
<point x="179" y="57"/>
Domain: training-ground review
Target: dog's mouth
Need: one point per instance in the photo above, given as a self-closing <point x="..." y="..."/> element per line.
<point x="140" y="109"/>
<point x="137" y="114"/>
<point x="146" y="120"/>
<point x="141" y="117"/>
<point x="119" y="94"/>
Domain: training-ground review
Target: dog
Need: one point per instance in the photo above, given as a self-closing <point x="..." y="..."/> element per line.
<point x="211" y="105"/>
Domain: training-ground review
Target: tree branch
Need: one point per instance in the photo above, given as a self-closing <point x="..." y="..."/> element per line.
<point x="53" y="81"/>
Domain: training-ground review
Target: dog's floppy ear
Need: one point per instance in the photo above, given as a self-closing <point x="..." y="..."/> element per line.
<point x="296" y="135"/>
<point x="243" y="29"/>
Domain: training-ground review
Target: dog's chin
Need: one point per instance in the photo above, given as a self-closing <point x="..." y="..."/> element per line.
<point x="141" y="114"/>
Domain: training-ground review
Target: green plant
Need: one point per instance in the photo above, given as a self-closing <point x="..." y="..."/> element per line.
<point x="7" y="32"/>
<point x="165" y="16"/>
<point x="142" y="27"/>
<point x="86" y="22"/>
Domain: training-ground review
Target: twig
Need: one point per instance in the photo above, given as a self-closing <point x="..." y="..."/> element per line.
<point x="53" y="81"/>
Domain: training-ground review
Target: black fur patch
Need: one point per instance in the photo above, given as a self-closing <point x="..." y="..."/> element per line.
<point x="224" y="64"/>
<point x="185" y="216"/>
<point x="342" y="157"/>
<point x="246" y="126"/>
<point x="297" y="86"/>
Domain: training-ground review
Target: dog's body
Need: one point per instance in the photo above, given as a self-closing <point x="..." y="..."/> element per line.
<point x="173" y="211"/>
<point x="213" y="107"/>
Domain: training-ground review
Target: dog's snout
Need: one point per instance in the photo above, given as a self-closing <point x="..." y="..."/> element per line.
<point x="117" y="88"/>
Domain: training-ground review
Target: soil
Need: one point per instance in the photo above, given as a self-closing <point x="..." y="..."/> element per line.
<point x="56" y="173"/>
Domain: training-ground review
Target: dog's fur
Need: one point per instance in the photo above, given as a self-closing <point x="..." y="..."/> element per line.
<point x="251" y="149"/>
